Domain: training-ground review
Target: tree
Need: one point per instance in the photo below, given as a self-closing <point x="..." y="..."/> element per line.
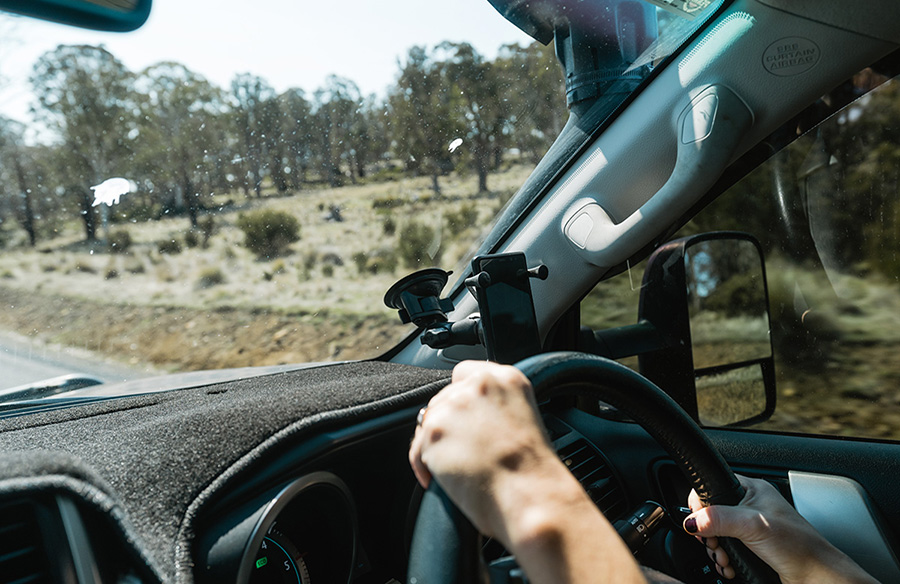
<point x="479" y="104"/>
<point x="177" y="131"/>
<point x="250" y="94"/>
<point x="421" y="116"/>
<point x="16" y="186"/>
<point x="297" y="135"/>
<point x="336" y="115"/>
<point x="86" y="96"/>
<point x="532" y="79"/>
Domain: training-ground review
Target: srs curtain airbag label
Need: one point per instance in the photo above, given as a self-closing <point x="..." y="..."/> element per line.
<point x="684" y="8"/>
<point x="790" y="56"/>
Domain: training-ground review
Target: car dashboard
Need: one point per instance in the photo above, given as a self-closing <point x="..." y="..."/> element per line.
<point x="300" y="476"/>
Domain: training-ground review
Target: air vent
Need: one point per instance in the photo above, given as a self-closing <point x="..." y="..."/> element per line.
<point x="592" y="471"/>
<point x="22" y="556"/>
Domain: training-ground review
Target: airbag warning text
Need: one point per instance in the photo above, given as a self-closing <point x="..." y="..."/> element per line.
<point x="790" y="56"/>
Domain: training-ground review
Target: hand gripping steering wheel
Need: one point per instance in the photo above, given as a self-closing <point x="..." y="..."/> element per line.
<point x="444" y="548"/>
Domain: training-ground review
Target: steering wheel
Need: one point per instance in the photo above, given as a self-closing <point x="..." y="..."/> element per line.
<point x="445" y="547"/>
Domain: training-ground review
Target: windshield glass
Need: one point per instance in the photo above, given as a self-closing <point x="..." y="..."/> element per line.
<point x="240" y="186"/>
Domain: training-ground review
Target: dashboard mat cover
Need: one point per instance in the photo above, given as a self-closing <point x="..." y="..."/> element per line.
<point x="164" y="455"/>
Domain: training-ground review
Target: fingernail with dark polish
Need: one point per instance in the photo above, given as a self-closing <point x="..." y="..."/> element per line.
<point x="690" y="525"/>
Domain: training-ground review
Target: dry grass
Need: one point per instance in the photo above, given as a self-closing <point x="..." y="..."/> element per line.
<point x="221" y="307"/>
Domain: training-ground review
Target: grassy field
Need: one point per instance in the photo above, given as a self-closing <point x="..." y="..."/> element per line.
<point x="220" y="306"/>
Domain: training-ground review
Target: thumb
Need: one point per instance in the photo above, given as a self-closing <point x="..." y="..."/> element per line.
<point x="722" y="521"/>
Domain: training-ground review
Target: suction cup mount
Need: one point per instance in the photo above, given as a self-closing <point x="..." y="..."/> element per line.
<point x="417" y="297"/>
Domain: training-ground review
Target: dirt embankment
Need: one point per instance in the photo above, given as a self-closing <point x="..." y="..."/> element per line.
<point x="182" y="339"/>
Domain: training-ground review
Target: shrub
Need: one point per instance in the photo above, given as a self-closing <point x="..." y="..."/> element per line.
<point x="416" y="245"/>
<point x="82" y="266"/>
<point x="361" y="258"/>
<point x="388" y="202"/>
<point x="169" y="246"/>
<point x="269" y="233"/>
<point x="119" y="241"/>
<point x="382" y="261"/>
<point x="111" y="273"/>
<point x="390" y="226"/>
<point x="134" y="266"/>
<point x="309" y="260"/>
<point x="210" y="277"/>
<point x="332" y="258"/>
<point x="192" y="238"/>
<point x="463" y="218"/>
<point x="328" y="270"/>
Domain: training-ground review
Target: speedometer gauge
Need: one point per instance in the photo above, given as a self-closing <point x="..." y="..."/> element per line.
<point x="302" y="532"/>
<point x="278" y="562"/>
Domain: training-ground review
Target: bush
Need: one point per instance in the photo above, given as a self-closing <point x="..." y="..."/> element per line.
<point x="390" y="226"/>
<point x="463" y="218"/>
<point x="134" y="266"/>
<point x="85" y="267"/>
<point x="309" y="260"/>
<point x="192" y="238"/>
<point x="382" y="261"/>
<point x="416" y="245"/>
<point x="361" y="258"/>
<point x="210" y="277"/>
<point x="328" y="270"/>
<point x="388" y="202"/>
<point x="119" y="241"/>
<point x="269" y="233"/>
<point x="169" y="246"/>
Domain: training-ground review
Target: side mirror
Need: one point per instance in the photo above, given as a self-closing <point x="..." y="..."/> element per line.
<point x="705" y="296"/>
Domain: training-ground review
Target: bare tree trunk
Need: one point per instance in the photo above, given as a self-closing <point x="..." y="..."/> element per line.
<point x="27" y="215"/>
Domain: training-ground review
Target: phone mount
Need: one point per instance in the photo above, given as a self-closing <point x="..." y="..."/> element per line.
<point x="416" y="297"/>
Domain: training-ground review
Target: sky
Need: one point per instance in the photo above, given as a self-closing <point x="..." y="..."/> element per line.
<point x="290" y="43"/>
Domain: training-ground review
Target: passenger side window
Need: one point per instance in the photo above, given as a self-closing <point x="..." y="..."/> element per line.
<point x="827" y="212"/>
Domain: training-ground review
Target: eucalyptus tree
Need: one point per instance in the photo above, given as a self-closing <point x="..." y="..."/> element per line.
<point x="178" y="131"/>
<point x="422" y="124"/>
<point x="532" y="81"/>
<point x="16" y="192"/>
<point x="86" y="99"/>
<point x="250" y="95"/>
<point x="480" y="104"/>
<point x="296" y="136"/>
<point x="337" y="113"/>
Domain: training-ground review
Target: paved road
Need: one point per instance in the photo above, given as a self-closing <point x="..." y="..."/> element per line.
<point x="24" y="361"/>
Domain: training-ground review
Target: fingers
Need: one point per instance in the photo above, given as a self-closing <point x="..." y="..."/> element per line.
<point x="415" y="459"/>
<point x="478" y="386"/>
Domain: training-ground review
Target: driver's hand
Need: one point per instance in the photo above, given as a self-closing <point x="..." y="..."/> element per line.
<point x="774" y="531"/>
<point x="479" y="438"/>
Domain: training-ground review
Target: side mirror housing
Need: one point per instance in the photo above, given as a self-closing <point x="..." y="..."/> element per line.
<point x="706" y="298"/>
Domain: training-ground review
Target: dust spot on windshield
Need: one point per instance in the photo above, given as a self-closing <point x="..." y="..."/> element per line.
<point x="110" y="190"/>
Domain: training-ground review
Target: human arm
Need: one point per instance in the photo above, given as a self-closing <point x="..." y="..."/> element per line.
<point x="773" y="530"/>
<point x="481" y="438"/>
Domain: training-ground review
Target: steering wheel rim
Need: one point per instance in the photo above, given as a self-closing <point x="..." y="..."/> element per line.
<point x="568" y="373"/>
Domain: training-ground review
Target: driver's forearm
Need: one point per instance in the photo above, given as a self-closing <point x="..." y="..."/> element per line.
<point x="556" y="532"/>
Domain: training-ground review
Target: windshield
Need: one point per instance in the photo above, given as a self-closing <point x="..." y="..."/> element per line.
<point x="239" y="187"/>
